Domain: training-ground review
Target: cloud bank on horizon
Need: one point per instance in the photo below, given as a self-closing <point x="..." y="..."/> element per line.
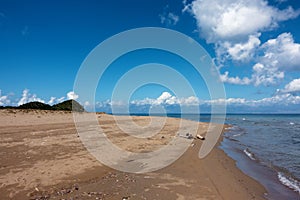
<point x="11" y="100"/>
<point x="283" y="101"/>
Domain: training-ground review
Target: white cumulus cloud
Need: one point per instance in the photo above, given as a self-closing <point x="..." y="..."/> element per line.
<point x="276" y="100"/>
<point x="235" y="27"/>
<point x="279" y="99"/>
<point x="282" y="52"/>
<point x="167" y="99"/>
<point x="4" y="100"/>
<point x="164" y="98"/>
<point x="220" y="20"/>
<point x="266" y="74"/>
<point x="55" y="100"/>
<point x="27" y="97"/>
<point x="227" y="101"/>
<point x="278" y="56"/>
<point x="52" y="100"/>
<point x="274" y="58"/>
<point x="243" y="51"/>
<point x="9" y="100"/>
<point x="72" y="95"/>
<point x="292" y="87"/>
<point x="234" y="80"/>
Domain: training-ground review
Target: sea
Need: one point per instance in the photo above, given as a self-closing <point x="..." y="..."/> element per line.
<point x="266" y="147"/>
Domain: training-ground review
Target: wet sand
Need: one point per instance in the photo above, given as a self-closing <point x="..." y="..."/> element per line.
<point x="42" y="158"/>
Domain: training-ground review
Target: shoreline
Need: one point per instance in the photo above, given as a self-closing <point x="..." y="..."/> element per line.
<point x="252" y="167"/>
<point x="279" y="183"/>
<point x="51" y="162"/>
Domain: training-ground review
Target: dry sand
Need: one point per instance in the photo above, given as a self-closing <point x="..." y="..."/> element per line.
<point x="42" y="158"/>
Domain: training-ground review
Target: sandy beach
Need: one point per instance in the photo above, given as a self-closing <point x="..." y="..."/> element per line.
<point x="43" y="158"/>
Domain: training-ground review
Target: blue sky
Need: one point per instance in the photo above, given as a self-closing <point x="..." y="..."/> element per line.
<point x="254" y="43"/>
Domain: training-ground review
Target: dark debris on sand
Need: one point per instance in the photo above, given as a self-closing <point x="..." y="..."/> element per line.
<point x="117" y="182"/>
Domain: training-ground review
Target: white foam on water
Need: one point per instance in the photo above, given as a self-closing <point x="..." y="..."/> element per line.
<point x="236" y="135"/>
<point x="249" y="154"/>
<point x="230" y="128"/>
<point x="289" y="182"/>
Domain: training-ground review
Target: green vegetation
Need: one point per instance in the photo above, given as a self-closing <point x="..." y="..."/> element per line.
<point x="69" y="105"/>
<point x="35" y="105"/>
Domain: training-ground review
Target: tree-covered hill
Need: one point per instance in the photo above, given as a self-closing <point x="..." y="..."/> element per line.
<point x="69" y="105"/>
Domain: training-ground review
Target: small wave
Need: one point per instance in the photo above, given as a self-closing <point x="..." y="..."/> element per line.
<point x="236" y="135"/>
<point x="230" y="128"/>
<point x="233" y="129"/>
<point x="234" y="132"/>
<point x="249" y="154"/>
<point x="292" y="123"/>
<point x="289" y="182"/>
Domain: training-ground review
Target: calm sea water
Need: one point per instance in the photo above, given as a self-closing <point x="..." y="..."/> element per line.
<point x="266" y="147"/>
<point x="273" y="142"/>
